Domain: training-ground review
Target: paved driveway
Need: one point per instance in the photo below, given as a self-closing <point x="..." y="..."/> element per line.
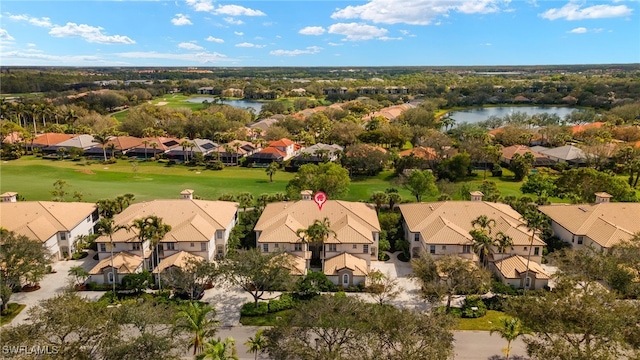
<point x="54" y="284"/>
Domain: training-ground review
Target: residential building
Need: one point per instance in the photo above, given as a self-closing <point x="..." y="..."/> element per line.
<point x="84" y="142"/>
<point x="201" y="146"/>
<point x="199" y="227"/>
<point x="153" y="147"/>
<point x="48" y="139"/>
<point x="539" y="159"/>
<point x="56" y="224"/>
<point x="600" y="225"/>
<point x="349" y="251"/>
<point x="278" y="151"/>
<point x="231" y="152"/>
<point x="315" y="154"/>
<point x="570" y="154"/>
<point x="124" y="263"/>
<point x="117" y="145"/>
<point x="512" y="271"/>
<point x="442" y="228"/>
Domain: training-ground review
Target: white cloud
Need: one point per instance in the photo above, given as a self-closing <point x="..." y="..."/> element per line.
<point x="190" y="46"/>
<point x="404" y="32"/>
<point x="232" y="21"/>
<point x="31" y="45"/>
<point x="181" y="20"/>
<point x="308" y="50"/>
<point x="579" y="30"/>
<point x="249" y="45"/>
<point x="89" y="33"/>
<point x="416" y="12"/>
<point x="215" y="40"/>
<point x="387" y="38"/>
<point x="573" y="11"/>
<point x="239" y="33"/>
<point x="203" y="57"/>
<point x="201" y="5"/>
<point x="4" y="36"/>
<point x="335" y="44"/>
<point x="41" y="22"/>
<point x="357" y="31"/>
<point x="312" y="30"/>
<point x="61" y="59"/>
<point x="237" y="10"/>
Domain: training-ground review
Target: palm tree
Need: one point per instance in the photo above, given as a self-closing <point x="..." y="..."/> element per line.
<point x="154" y="146"/>
<point x="257" y="343"/>
<point x="271" y="170"/>
<point x="316" y="234"/>
<point x="394" y="198"/>
<point x="503" y="241"/>
<point x="108" y="227"/>
<point x="185" y="144"/>
<point x="484" y="223"/>
<point x="145" y="143"/>
<point x="245" y="199"/>
<point x="509" y="329"/>
<point x="536" y="222"/>
<point x="482" y="243"/>
<point x="102" y="139"/>
<point x="219" y="350"/>
<point x="379" y="198"/>
<point x="154" y="230"/>
<point x="199" y="319"/>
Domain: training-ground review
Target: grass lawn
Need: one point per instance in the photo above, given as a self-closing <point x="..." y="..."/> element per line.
<point x="485" y="323"/>
<point x="270" y="319"/>
<point x="13" y="309"/>
<point x="33" y="178"/>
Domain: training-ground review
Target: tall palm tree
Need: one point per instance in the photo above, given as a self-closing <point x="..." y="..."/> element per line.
<point x="154" y="229"/>
<point x="102" y="139"/>
<point x="536" y="222"/>
<point x="185" y="144"/>
<point x="482" y="244"/>
<point x="271" y="170"/>
<point x="199" y="319"/>
<point x="145" y="142"/>
<point x="108" y="227"/>
<point x="484" y="223"/>
<point x="219" y="350"/>
<point x="257" y="343"/>
<point x="379" y="197"/>
<point x="509" y="329"/>
<point x="316" y="235"/>
<point x="154" y="146"/>
<point x="245" y="199"/>
<point x="502" y="242"/>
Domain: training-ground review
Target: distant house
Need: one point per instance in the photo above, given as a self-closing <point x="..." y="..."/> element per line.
<point x="117" y="145"/>
<point x="521" y="100"/>
<point x="201" y="146"/>
<point x="601" y="225"/>
<point x="198" y="227"/>
<point x="264" y="124"/>
<point x="335" y="91"/>
<point x="512" y="271"/>
<point x="349" y="252"/>
<point x="510" y="151"/>
<point x="208" y="90"/>
<point x="56" y="224"/>
<point x="390" y="113"/>
<point x="231" y="152"/>
<point x="570" y="154"/>
<point x="315" y="154"/>
<point x="49" y="139"/>
<point x="84" y="142"/>
<point x="277" y="151"/>
<point x="153" y="147"/>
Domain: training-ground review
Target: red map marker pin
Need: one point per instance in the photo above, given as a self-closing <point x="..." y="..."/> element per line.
<point x="320" y="198"/>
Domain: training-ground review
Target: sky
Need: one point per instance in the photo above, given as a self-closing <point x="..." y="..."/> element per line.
<point x="203" y="33"/>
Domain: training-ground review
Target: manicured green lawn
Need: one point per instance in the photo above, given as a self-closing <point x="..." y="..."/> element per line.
<point x="485" y="323"/>
<point x="13" y="309"/>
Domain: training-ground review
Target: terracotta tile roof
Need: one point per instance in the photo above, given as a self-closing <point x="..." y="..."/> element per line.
<point x="514" y="266"/>
<point x="345" y="261"/>
<point x="50" y="139"/>
<point x="284" y="142"/>
<point x="190" y="220"/>
<point x="297" y="265"/>
<point x="353" y="222"/>
<point x="604" y="223"/>
<point x="510" y="151"/>
<point x="272" y="150"/>
<point x="449" y="222"/>
<point x="125" y="263"/>
<point x="124" y="142"/>
<point x="422" y="152"/>
<point x="40" y="220"/>
<point x="13" y="137"/>
<point x="391" y="112"/>
<point x="579" y="128"/>
<point x="179" y="259"/>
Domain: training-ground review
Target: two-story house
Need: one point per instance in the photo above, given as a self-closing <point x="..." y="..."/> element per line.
<point x="344" y="256"/>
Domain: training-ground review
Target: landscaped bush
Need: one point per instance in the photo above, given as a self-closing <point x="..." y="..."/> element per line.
<point x="473" y="307"/>
<point x="215" y="165"/>
<point x="250" y="309"/>
<point x="454" y="311"/>
<point x="498" y="287"/>
<point x="79" y="255"/>
<point x="495" y="303"/>
<point x="93" y="286"/>
<point x="284" y="303"/>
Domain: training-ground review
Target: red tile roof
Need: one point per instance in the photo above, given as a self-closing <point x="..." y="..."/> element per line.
<point x="579" y="128"/>
<point x="49" y="139"/>
<point x="284" y="142"/>
<point x="272" y="150"/>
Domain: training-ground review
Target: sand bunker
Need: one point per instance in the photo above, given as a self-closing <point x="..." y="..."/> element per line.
<point x="162" y="103"/>
<point x="86" y="171"/>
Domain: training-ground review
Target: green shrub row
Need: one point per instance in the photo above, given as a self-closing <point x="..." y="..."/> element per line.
<point x="285" y="302"/>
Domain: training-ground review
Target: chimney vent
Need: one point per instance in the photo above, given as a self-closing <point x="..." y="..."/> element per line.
<point x="476" y="195"/>
<point x="602" y="197"/>
<point x="187" y="194"/>
<point x="306" y="194"/>
<point x="9" y="197"/>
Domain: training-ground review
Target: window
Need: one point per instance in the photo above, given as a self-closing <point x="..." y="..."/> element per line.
<point x="527" y="282"/>
<point x="203" y="246"/>
<point x="333" y="247"/>
<point x="432" y="249"/>
<point x="192" y="245"/>
<point x="136" y="246"/>
<point x="88" y="219"/>
<point x="171" y="246"/>
<point x="525" y="248"/>
<point x="219" y="234"/>
<point x="365" y="249"/>
<point x="90" y="231"/>
<point x="297" y="247"/>
<point x="466" y="249"/>
<point x="444" y="247"/>
<point x="265" y="247"/>
<point x="103" y="247"/>
<point x="63" y="236"/>
<point x="415" y="252"/>
<point x="355" y="246"/>
<point x="416" y="237"/>
<point x="580" y="240"/>
<point x="536" y="251"/>
<point x="345" y="279"/>
<point x="110" y="277"/>
<point x="277" y="246"/>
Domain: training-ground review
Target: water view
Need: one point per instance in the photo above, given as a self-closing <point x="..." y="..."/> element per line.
<point x="482" y="114"/>
<point x="256" y="105"/>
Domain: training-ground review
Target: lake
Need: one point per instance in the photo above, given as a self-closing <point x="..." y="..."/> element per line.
<point x="481" y="114"/>
<point x="243" y="104"/>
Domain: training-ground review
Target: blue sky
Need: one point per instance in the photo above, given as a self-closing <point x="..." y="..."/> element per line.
<point x="318" y="33"/>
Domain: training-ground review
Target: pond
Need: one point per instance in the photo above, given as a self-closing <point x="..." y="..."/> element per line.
<point x="481" y="114"/>
<point x="243" y="104"/>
